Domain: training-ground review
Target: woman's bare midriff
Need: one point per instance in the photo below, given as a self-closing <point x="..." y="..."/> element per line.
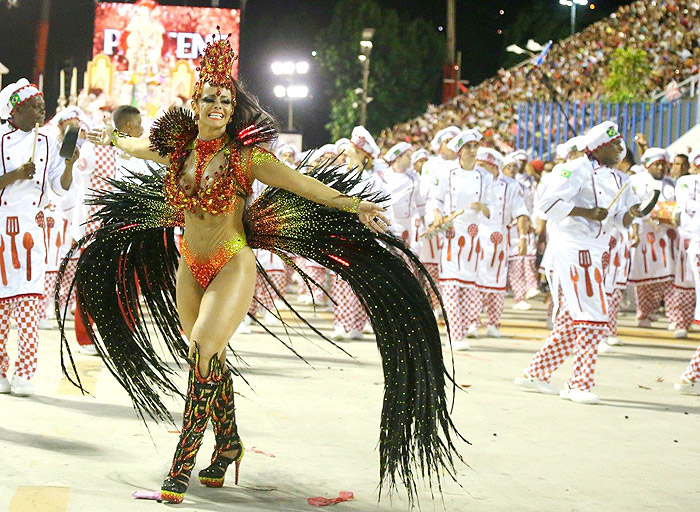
<point x="205" y="235"/>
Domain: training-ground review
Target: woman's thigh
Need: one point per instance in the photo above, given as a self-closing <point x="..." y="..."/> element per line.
<point x="188" y="295"/>
<point x="224" y="305"/>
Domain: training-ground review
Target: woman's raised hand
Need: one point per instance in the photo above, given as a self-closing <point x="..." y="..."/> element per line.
<point x="371" y="215"/>
<point x="101" y="136"/>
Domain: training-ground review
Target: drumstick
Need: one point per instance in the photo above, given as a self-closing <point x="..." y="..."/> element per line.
<point x="617" y="196"/>
<point x="36" y="136"/>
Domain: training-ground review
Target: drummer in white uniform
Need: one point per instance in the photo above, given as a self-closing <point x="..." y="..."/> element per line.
<point x="508" y="213"/>
<point x="31" y="166"/>
<point x="652" y="269"/>
<point x="581" y="199"/>
<point x="403" y="187"/>
<point x="468" y="188"/>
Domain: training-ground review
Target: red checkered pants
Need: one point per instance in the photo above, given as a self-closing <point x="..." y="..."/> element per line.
<point x="493" y="303"/>
<point x="319" y="275"/>
<point x="348" y="311"/>
<point x="680" y="307"/>
<point x="264" y="292"/>
<point x="649" y="297"/>
<point x="46" y="309"/>
<point x="460" y="306"/>
<point x="521" y="276"/>
<point x="564" y="339"/>
<point x="614" y="303"/>
<point x="434" y="271"/>
<point x="63" y="293"/>
<point x="692" y="373"/>
<point x="25" y="310"/>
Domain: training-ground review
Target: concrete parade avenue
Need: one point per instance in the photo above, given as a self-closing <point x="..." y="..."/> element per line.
<point x="312" y="430"/>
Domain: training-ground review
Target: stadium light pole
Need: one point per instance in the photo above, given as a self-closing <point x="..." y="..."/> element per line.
<point x="573" y="4"/>
<point x="366" y="50"/>
<point x="291" y="91"/>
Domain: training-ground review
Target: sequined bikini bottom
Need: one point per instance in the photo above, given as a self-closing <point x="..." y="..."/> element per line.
<point x="205" y="268"/>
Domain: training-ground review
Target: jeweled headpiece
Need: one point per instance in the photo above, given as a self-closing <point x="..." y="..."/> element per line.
<point x="216" y="66"/>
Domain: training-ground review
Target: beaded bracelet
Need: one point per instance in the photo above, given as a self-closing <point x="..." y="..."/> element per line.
<point x="354" y="206"/>
<point x="116" y="134"/>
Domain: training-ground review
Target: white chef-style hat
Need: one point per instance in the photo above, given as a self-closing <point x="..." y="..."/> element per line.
<point x="462" y="138"/>
<point x="578" y="143"/>
<point x="601" y="134"/>
<point x="15" y="94"/>
<point x="396" y="151"/>
<point x="340" y="144"/>
<point x="562" y="151"/>
<point x="66" y="114"/>
<point x="652" y="155"/>
<point x="420" y="154"/>
<point x="490" y="156"/>
<point x="286" y="148"/>
<point x="443" y="135"/>
<point x="364" y="141"/>
<point x="515" y="157"/>
<point x="694" y="158"/>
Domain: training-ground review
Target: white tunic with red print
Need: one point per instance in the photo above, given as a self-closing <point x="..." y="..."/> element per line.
<point x="405" y="200"/>
<point x="22" y="251"/>
<point x="651" y="259"/>
<point x="461" y="251"/>
<point x="506" y="205"/>
<point x="577" y="266"/>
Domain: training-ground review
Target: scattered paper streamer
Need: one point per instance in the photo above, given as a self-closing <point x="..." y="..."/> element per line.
<point x="320" y="501"/>
<point x="143" y="494"/>
<point x="261" y="452"/>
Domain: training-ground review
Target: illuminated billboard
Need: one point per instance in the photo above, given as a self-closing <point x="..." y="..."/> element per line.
<point x="146" y="54"/>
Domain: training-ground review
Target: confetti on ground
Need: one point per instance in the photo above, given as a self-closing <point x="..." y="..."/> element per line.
<point x="261" y="452"/>
<point x="320" y="501"/>
<point x="143" y="494"/>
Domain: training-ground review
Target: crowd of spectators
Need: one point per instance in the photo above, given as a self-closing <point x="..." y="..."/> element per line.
<point x="667" y="30"/>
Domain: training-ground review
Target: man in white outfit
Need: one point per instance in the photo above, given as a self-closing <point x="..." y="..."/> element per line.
<point x="31" y="165"/>
<point x="581" y="199"/>
<point x="465" y="187"/>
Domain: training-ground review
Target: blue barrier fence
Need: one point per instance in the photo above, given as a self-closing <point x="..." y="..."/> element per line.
<point x="543" y="125"/>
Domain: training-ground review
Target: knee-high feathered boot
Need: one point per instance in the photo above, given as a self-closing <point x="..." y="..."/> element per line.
<point x="223" y="417"/>
<point x="201" y="393"/>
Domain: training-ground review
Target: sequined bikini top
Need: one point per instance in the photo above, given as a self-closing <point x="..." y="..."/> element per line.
<point x="175" y="135"/>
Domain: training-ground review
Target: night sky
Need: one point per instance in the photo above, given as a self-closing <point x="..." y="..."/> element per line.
<point x="272" y="30"/>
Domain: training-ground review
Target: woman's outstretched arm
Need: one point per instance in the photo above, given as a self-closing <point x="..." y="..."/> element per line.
<point x="135" y="146"/>
<point x="267" y="169"/>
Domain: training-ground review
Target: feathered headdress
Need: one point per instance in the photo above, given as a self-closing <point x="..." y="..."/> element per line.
<point x="216" y="66"/>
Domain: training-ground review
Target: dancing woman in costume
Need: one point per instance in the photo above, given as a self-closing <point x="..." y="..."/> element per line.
<point x="212" y="160"/>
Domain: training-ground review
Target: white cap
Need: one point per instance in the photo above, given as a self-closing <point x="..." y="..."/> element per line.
<point x="652" y="155"/>
<point x="327" y="148"/>
<point x="443" y="135"/>
<point x="601" y="134"/>
<point x="419" y="154"/>
<point x="578" y="143"/>
<point x="379" y="165"/>
<point x="396" y="151"/>
<point x="694" y="158"/>
<point x="462" y="138"/>
<point x="286" y="148"/>
<point x="364" y="141"/>
<point x="515" y="157"/>
<point x="562" y="151"/>
<point x="340" y="144"/>
<point x="66" y="114"/>
<point x="490" y="156"/>
<point x="16" y="94"/>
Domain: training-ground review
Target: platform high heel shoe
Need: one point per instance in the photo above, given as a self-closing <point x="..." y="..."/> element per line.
<point x="201" y="393"/>
<point x="223" y="417"/>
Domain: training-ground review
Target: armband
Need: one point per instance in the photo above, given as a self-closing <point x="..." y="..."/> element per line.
<point x="116" y="134"/>
<point x="354" y="206"/>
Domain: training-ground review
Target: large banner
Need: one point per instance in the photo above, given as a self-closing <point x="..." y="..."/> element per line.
<point x="145" y="54"/>
<point x="159" y="33"/>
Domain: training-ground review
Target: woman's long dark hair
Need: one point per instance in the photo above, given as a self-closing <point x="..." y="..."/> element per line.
<point x="247" y="111"/>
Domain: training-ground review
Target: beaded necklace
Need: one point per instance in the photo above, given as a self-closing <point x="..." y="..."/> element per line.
<point x="204" y="151"/>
